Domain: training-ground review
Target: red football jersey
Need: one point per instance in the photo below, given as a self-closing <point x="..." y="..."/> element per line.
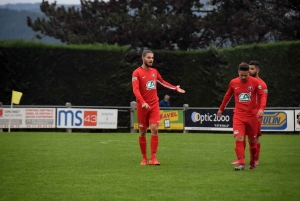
<point x="247" y="95"/>
<point x="264" y="88"/>
<point x="144" y="84"/>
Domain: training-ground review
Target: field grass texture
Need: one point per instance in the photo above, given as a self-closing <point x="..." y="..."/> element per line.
<point x="86" y="166"/>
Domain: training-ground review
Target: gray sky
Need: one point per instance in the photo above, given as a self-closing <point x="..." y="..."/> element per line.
<point x="2" y="2"/>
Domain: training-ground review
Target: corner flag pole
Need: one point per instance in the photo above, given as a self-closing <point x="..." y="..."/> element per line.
<point x="11" y="106"/>
<point x="15" y="99"/>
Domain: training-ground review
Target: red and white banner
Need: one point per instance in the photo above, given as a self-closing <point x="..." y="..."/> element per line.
<point x="27" y="117"/>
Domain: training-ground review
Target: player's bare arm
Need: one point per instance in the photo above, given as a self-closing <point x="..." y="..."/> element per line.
<point x="180" y="90"/>
<point x="260" y="113"/>
<point x="219" y="114"/>
<point x="145" y="106"/>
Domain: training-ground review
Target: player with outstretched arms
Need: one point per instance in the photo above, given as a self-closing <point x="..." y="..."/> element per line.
<point x="144" y="83"/>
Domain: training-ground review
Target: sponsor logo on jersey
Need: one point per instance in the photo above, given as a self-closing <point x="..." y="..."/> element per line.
<point x="259" y="86"/>
<point x="134" y="78"/>
<point x="266" y="91"/>
<point x="245" y="97"/>
<point x="150" y="85"/>
<point x="274" y="121"/>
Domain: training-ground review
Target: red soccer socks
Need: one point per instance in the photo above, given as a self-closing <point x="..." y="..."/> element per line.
<point x="252" y="152"/>
<point x="143" y="146"/>
<point x="154" y="145"/>
<point x="257" y="152"/>
<point x="240" y="152"/>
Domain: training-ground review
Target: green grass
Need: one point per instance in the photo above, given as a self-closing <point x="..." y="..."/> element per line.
<point x="84" y="166"/>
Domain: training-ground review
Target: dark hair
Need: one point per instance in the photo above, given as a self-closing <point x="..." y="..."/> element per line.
<point x="146" y="52"/>
<point x="244" y="66"/>
<point x="255" y="63"/>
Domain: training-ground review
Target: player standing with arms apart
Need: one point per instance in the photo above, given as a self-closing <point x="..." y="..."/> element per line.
<point x="246" y="91"/>
<point x="254" y="69"/>
<point x="144" y="81"/>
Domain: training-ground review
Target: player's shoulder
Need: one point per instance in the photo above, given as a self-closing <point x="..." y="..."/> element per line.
<point x="152" y="69"/>
<point x="235" y="80"/>
<point x="262" y="82"/>
<point x="253" y="80"/>
<point x="137" y="69"/>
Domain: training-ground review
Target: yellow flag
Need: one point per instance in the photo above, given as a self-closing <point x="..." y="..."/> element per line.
<point x="16" y="97"/>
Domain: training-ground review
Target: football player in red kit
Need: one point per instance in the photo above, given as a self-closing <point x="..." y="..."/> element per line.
<point x="144" y="81"/>
<point x="246" y="91"/>
<point x="254" y="68"/>
<point x="254" y="72"/>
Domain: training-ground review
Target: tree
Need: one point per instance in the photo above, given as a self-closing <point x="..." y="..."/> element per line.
<point x="156" y="24"/>
<point x="238" y="22"/>
<point x="287" y="19"/>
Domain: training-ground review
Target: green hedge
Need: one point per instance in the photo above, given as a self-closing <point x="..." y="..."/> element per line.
<point x="92" y="75"/>
<point x="280" y="69"/>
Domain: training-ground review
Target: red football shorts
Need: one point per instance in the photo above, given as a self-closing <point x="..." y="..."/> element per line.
<point x="147" y="116"/>
<point x="259" y="127"/>
<point x="243" y="126"/>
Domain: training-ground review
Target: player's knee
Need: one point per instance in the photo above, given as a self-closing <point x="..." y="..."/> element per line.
<point x="239" y="138"/>
<point x="252" y="140"/>
<point x="142" y="132"/>
<point x="154" y="129"/>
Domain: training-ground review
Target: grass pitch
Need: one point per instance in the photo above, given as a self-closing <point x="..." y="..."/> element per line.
<point x="85" y="166"/>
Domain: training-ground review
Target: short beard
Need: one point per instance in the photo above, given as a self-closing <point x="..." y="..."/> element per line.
<point x="253" y="75"/>
<point x="148" y="65"/>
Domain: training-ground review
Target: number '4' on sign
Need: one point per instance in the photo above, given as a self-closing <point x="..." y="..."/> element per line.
<point x="90" y="118"/>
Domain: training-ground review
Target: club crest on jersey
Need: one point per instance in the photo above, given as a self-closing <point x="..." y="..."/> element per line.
<point x="245" y="97"/>
<point x="259" y="86"/>
<point x="250" y="88"/>
<point x="150" y="85"/>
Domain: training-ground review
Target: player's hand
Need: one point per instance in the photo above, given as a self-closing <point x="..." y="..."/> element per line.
<point x="180" y="90"/>
<point x="145" y="106"/>
<point x="260" y="113"/>
<point x="219" y="114"/>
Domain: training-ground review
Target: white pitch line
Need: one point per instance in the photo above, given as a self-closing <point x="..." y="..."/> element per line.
<point x="106" y="142"/>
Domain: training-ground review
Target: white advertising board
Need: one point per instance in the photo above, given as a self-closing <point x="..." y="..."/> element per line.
<point x="278" y="120"/>
<point x="27" y="117"/>
<point x="87" y="118"/>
